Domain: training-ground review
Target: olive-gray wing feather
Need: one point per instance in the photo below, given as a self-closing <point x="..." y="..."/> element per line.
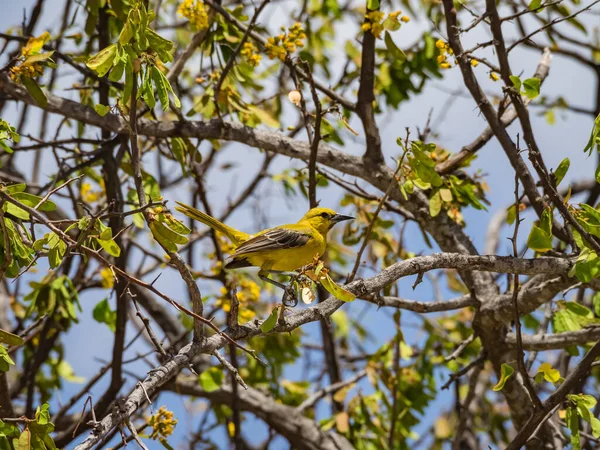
<point x="275" y="239"/>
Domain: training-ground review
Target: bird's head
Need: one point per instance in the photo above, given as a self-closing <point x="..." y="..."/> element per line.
<point x="324" y="218"/>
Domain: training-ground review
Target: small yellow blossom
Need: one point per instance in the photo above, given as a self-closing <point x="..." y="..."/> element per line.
<point x="88" y="195"/>
<point x="440" y="44"/>
<point x="405" y="19"/>
<point x="494" y="76"/>
<point x="248" y="295"/>
<point x="195" y="12"/>
<point x="107" y="279"/>
<point x="162" y="424"/>
<point x="445" y="65"/>
<point x="26" y="71"/>
<point x="474" y="62"/>
<point x="376" y="29"/>
<point x="250" y="52"/>
<point x="282" y="45"/>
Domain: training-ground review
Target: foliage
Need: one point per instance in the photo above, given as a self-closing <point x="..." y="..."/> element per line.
<point x="174" y="99"/>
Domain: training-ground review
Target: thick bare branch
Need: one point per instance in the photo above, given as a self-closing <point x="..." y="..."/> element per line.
<point x="302" y="432"/>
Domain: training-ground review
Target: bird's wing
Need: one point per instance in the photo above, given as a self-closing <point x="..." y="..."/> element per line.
<point x="274" y="239"/>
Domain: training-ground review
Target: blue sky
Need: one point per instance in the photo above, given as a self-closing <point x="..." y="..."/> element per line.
<point x="459" y="127"/>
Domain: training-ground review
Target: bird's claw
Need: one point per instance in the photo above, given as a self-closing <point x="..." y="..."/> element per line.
<point x="290" y="297"/>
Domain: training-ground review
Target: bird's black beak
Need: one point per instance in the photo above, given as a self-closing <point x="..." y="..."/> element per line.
<point x="340" y="218"/>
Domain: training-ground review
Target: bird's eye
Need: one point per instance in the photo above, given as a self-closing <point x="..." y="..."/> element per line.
<point x="325" y="215"/>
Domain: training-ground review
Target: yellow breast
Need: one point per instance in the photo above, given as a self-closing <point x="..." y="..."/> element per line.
<point x="289" y="259"/>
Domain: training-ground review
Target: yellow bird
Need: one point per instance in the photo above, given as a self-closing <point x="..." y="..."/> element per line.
<point x="280" y="249"/>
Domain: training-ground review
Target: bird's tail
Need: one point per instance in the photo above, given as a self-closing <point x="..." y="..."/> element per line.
<point x="236" y="237"/>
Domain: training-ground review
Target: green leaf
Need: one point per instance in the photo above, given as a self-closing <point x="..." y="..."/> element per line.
<point x="573" y="424"/>
<point x="337" y="291"/>
<point x="271" y="321"/>
<point x="391" y="24"/>
<point x="167" y="234"/>
<point x="546" y="220"/>
<point x="103" y="60"/>
<point x="594" y="137"/>
<point x="373" y="4"/>
<point x="550" y="374"/>
<point x="102" y="110"/>
<point x="435" y="204"/>
<point x="531" y="87"/>
<point x="103" y="314"/>
<point x="596" y="303"/>
<point x="35" y="91"/>
<point x="511" y="215"/>
<point x="535" y="4"/>
<point x="24" y="442"/>
<point x="516" y="81"/>
<point x="160" y="45"/>
<point x="561" y="170"/>
<point x="66" y="372"/>
<point x="33" y="200"/>
<point x="392" y="48"/>
<point x="9" y="338"/>
<point x="264" y="116"/>
<point x="163" y="87"/>
<point x="539" y="240"/>
<point x="126" y="33"/>
<point x="506" y="371"/>
<point x="176" y="225"/>
<point x="148" y="91"/>
<point x="5" y="359"/>
<point x="211" y="379"/>
<point x="110" y="246"/>
<point x="595" y="423"/>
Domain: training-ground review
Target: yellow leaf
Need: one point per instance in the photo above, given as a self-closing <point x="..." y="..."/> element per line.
<point x="35" y="44"/>
<point x="442" y="428"/>
<point x="9" y="338"/>
<point x="406" y="350"/>
<point x="107" y="278"/>
<point x="342" y="422"/>
<point x="337" y="291"/>
<point x="550" y="374"/>
<point x="340" y="395"/>
<point x="506" y="371"/>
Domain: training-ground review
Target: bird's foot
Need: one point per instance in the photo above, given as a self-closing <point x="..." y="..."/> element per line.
<point x="290" y="296"/>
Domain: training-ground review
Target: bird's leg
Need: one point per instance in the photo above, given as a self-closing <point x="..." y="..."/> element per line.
<point x="293" y="275"/>
<point x="288" y="290"/>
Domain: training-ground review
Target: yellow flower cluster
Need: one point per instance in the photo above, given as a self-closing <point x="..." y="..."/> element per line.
<point x="195" y="12"/>
<point x="282" y="45"/>
<point x="445" y="50"/>
<point x="248" y="293"/>
<point x="88" y="195"/>
<point x="250" y="52"/>
<point x="162" y="424"/>
<point x="31" y="62"/>
<point x="107" y="279"/>
<point x="375" y="22"/>
<point x="26" y="71"/>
